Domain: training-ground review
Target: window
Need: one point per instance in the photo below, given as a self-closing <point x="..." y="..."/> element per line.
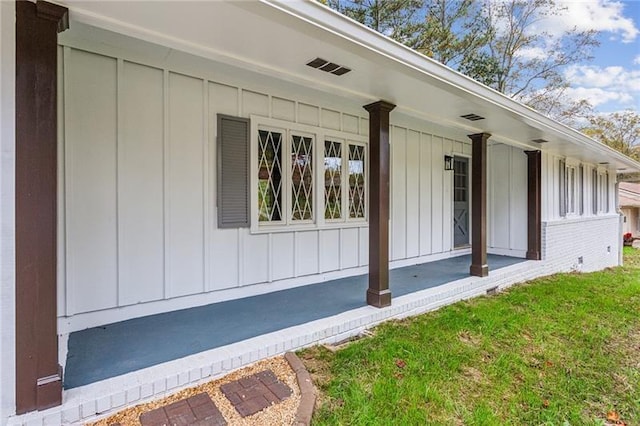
<point x="600" y="191"/>
<point x="570" y="189"/>
<point x="301" y="178"/>
<point x="269" y="176"/>
<point x="581" y="187"/>
<point x="603" y="192"/>
<point x="307" y="177"/>
<point x="356" y="181"/>
<point x="332" y="180"/>
<point x="594" y="191"/>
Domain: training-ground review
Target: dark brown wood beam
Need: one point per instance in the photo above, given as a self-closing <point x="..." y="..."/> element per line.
<point x="479" y="266"/>
<point x="38" y="373"/>
<point x="534" y="205"/>
<point x="378" y="293"/>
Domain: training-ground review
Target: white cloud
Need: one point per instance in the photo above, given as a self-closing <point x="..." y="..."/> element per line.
<point x="585" y="15"/>
<point x="597" y="96"/>
<point x="636" y="60"/>
<point x="532" y="53"/>
<point x="595" y="76"/>
<point x="600" y="85"/>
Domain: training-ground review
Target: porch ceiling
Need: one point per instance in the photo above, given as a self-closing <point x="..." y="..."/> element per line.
<point x="279" y="38"/>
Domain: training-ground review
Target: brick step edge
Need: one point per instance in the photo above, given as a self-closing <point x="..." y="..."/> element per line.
<point x="307" y="390"/>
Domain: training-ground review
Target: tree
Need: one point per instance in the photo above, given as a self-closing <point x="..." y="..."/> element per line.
<point x="394" y="18"/>
<point x="529" y="61"/>
<point x="452" y="31"/>
<point x="496" y="42"/>
<point x="619" y="130"/>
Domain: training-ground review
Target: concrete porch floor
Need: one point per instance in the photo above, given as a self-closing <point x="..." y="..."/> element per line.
<point x="108" y="351"/>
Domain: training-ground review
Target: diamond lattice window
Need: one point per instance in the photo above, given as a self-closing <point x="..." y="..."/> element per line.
<point x="269" y="176"/>
<point x="356" y="181"/>
<point x="301" y="178"/>
<point x="332" y="180"/>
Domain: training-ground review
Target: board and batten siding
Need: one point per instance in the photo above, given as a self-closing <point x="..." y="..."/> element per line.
<point x="138" y="218"/>
<point x="506" y="200"/>
<point x="551" y="188"/>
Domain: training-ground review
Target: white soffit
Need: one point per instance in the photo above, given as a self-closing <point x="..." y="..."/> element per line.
<point x="278" y="38"/>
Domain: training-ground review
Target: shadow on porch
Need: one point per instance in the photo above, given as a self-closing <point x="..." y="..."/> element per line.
<point x="107" y="351"/>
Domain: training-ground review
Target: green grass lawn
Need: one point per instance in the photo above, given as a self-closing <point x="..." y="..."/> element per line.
<point x="561" y="350"/>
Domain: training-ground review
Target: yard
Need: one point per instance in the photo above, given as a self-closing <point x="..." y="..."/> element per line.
<point x="562" y="350"/>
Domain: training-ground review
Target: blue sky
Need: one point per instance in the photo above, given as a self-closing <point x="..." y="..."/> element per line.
<point x="611" y="81"/>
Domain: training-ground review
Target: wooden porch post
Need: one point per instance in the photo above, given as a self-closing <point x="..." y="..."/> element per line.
<point x="38" y="374"/>
<point x="378" y="293"/>
<point x="534" y="208"/>
<point x="479" y="265"/>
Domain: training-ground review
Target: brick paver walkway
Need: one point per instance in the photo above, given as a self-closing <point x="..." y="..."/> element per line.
<point x="256" y="392"/>
<point x="198" y="410"/>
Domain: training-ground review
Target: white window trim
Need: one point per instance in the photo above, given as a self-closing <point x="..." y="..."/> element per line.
<point x="602" y="191"/>
<point x="287" y="128"/>
<point x="572" y="210"/>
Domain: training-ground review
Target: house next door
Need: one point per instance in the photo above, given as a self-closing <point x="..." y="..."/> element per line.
<point x="460" y="201"/>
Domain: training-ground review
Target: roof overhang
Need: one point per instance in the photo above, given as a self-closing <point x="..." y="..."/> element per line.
<point x="278" y="38"/>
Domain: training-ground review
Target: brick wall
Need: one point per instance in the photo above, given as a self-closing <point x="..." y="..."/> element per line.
<point x="596" y="240"/>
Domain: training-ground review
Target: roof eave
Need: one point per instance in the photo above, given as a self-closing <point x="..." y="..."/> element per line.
<point x="320" y="15"/>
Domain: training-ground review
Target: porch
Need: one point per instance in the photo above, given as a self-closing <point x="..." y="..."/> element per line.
<point x="104" y="352"/>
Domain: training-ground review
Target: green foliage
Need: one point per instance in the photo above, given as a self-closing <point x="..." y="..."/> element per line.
<point x="558" y="350"/>
<point x="394" y="18"/>
<point x="619" y="130"/>
<point x="497" y="43"/>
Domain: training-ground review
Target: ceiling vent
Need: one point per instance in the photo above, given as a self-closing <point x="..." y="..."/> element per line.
<point x="326" y="66"/>
<point x="472" y="117"/>
<point x="604" y="163"/>
<point x="539" y="140"/>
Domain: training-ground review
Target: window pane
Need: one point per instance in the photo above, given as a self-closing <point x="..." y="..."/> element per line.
<point x="572" y="176"/>
<point x="301" y="178"/>
<point x="269" y="176"/>
<point x="332" y="180"/>
<point x="356" y="181"/>
<point x="459" y="180"/>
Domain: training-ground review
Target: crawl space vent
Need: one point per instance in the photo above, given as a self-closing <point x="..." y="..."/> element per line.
<point x="472" y="117"/>
<point x="326" y="66"/>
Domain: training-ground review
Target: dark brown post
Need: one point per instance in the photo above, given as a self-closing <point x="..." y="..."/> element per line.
<point x="479" y="266"/>
<point x="378" y="294"/>
<point x="534" y="209"/>
<point x="38" y="374"/>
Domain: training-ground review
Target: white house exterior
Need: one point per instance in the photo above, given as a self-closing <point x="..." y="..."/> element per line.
<point x="629" y="202"/>
<point x="141" y="90"/>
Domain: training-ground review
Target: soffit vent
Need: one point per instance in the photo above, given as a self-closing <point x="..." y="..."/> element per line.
<point x="326" y="66"/>
<point x="539" y="140"/>
<point x="472" y="117"/>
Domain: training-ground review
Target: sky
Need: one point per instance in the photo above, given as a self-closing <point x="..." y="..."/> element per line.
<point x="611" y="81"/>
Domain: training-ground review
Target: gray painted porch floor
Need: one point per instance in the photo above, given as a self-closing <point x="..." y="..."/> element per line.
<point x="107" y="351"/>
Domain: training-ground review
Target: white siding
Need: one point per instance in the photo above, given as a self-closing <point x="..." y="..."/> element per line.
<point x="140" y="210"/>
<point x="412" y="167"/>
<point x="507" y="199"/>
<point x="90" y="148"/>
<point x="437" y="181"/>
<point x="140" y="177"/>
<point x="398" y="193"/>
<point x="184" y="187"/>
<point x="425" y="195"/>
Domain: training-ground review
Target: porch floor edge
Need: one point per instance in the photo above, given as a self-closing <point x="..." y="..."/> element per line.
<point x="97" y="400"/>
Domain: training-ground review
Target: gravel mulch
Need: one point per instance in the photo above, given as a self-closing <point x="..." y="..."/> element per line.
<point x="283" y="413"/>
